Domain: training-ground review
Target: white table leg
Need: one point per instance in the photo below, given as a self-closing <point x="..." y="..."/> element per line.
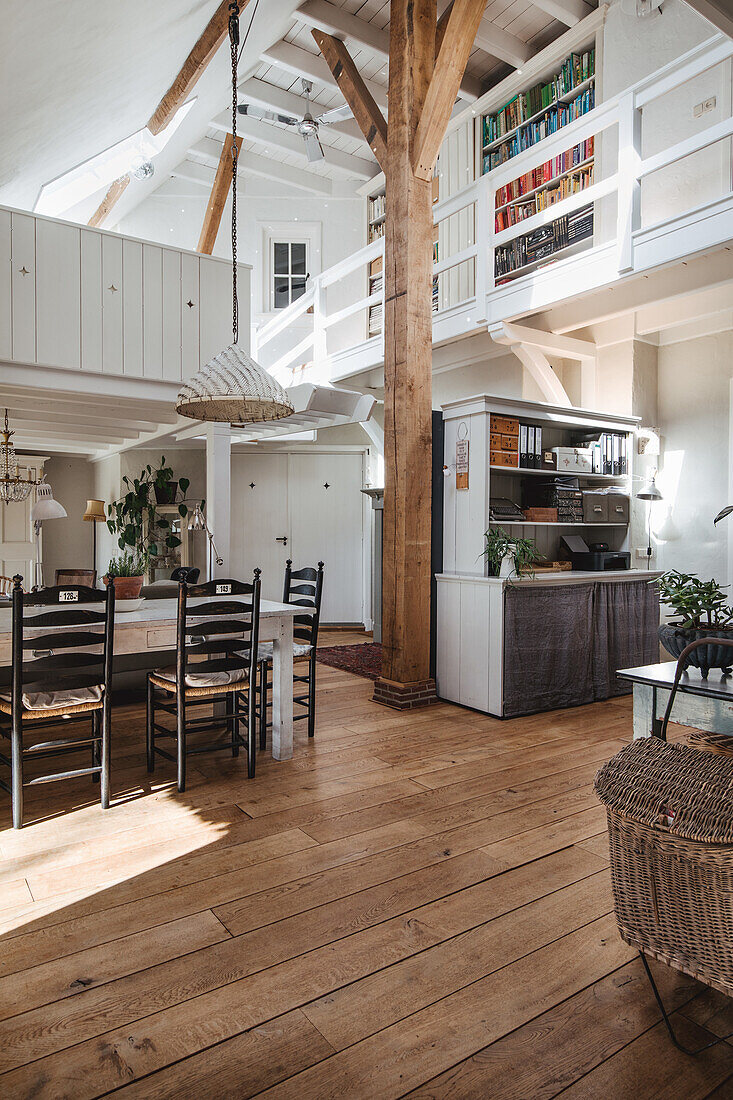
<point x="643" y="710"/>
<point x="282" y="690"/>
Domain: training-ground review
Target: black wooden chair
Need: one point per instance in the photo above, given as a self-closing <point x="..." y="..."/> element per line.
<point x="56" y="675"/>
<point x="216" y="656"/>
<point x="303" y="587"/>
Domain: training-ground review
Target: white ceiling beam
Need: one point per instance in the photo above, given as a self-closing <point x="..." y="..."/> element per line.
<point x="273" y="98"/>
<point x="550" y="343"/>
<point x="36" y="413"/>
<point x="717" y="12"/>
<point x="568" y="12"/>
<point x="682" y="311"/>
<point x="81" y="402"/>
<point x="250" y="164"/>
<point x="302" y="63"/>
<point x="270" y="136"/>
<point x="42" y="443"/>
<point x="154" y="436"/>
<point x="69" y="433"/>
<point x="500" y="43"/>
<point x="349" y="28"/>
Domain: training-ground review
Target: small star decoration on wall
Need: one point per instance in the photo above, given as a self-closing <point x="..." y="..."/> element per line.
<point x="326" y="485"/>
<point x="24" y="270"/>
<point x="251" y="484"/>
<point x="189" y="303"/>
<point x="112" y="288"/>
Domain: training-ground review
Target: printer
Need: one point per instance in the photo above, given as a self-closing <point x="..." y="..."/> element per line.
<point x="596" y="558"/>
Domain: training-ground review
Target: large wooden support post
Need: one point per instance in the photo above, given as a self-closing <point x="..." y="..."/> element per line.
<point x="405" y="680"/>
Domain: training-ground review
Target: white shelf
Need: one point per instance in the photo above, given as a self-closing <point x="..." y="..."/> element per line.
<point x="566" y="98"/>
<point x="567" y="250"/>
<point x="543" y="186"/>
<point x="524" y="471"/>
<point x="555" y="523"/>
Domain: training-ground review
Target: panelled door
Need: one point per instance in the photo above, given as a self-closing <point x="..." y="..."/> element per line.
<point x="307" y="507"/>
<point x="17" y="549"/>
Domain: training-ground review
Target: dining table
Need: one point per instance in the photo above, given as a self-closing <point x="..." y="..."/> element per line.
<point x="151" y="628"/>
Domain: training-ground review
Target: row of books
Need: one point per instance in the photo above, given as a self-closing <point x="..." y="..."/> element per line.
<point x="542" y="243"/>
<point x="377" y="207"/>
<point x="375" y="320"/>
<point x="574" y="71"/>
<point x="521" y="210"/>
<point x="376" y="231"/>
<point x="545" y="173"/>
<point x="435" y="294"/>
<point x="549" y="123"/>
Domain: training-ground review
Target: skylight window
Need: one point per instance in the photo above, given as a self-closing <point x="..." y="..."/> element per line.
<point x="86" y="179"/>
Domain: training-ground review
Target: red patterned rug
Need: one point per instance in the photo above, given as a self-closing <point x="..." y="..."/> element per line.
<point x="364" y="659"/>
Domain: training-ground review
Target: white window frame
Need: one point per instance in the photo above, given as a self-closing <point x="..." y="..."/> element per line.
<point x="289" y="241"/>
<point x="296" y="232"/>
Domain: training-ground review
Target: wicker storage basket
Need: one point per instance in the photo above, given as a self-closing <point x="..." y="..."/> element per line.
<point x="670" y="825"/>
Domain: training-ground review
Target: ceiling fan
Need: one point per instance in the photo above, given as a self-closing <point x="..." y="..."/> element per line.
<point x="307" y="126"/>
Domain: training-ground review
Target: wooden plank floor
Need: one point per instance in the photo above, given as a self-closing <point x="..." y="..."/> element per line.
<point x="415" y="905"/>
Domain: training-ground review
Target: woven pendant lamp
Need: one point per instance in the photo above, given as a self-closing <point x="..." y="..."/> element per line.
<point x="231" y="387"/>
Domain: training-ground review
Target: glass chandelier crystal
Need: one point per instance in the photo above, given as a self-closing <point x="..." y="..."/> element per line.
<point x="13" y="486"/>
<point x="231" y="387"/>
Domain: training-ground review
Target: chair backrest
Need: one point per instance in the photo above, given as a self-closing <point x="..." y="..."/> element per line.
<point x="60" y="659"/>
<point x="84" y="577"/>
<point x="6" y="586"/>
<point x="188" y="573"/>
<point x="221" y="634"/>
<point x="305" y="588"/>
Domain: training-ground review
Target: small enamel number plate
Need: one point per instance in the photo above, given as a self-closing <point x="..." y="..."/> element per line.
<point x="223" y="590"/>
<point x="68" y="595"/>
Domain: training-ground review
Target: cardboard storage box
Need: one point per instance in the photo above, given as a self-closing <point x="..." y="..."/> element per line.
<point x="504" y="458"/>
<point x="574" y="460"/>
<point x="506" y="425"/>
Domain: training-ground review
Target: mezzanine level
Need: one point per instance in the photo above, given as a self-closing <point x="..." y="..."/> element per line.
<point x="648" y="213"/>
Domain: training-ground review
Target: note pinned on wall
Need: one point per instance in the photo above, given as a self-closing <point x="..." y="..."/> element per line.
<point x="462" y="464"/>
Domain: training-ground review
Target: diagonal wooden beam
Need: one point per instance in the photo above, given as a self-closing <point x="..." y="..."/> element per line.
<point x="355" y="92"/>
<point x="218" y="197"/>
<point x="193" y="67"/>
<point x="102" y="212"/>
<point x="451" y="60"/>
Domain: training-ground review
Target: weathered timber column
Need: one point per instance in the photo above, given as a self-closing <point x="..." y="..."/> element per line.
<point x="408" y="352"/>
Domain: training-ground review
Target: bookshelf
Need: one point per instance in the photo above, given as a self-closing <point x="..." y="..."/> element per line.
<point x="376" y="218"/>
<point x="540" y="110"/>
<point x="560" y="238"/>
<point x="545" y="185"/>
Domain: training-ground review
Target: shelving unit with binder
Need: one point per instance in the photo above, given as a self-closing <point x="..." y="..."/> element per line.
<point x="518" y="452"/>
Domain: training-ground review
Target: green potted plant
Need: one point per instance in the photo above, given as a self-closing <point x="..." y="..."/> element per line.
<point x="507" y="556"/>
<point x="127" y="573"/>
<point x="700" y="610"/>
<point x="134" y="518"/>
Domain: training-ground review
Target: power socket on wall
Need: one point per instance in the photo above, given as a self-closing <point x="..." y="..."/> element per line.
<point x="702" y="108"/>
<point x="641" y="554"/>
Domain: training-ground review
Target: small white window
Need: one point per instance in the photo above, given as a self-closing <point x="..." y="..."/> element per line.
<point x="289" y="266"/>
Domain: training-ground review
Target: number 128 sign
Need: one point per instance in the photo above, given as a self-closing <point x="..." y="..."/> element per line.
<point x="462" y="464"/>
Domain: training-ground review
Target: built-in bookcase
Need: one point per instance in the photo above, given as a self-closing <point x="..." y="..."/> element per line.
<point x="539" y="111"/>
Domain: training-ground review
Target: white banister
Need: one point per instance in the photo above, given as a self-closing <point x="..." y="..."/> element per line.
<point x="629" y="185"/>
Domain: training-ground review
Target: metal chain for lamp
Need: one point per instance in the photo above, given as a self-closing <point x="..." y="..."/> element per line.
<point x="233" y="44"/>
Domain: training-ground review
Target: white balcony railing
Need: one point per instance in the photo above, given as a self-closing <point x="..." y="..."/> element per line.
<point x="621" y="245"/>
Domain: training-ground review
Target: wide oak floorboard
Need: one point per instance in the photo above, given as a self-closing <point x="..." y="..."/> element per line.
<point x="417" y="904"/>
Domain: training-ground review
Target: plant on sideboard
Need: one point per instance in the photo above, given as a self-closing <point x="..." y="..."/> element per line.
<point x="134" y="518"/>
<point x="500" y="546"/>
<point x="127" y="573"/>
<point x="701" y="610"/>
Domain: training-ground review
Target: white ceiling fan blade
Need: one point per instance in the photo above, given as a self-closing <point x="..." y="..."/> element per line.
<point x="313" y="147"/>
<point x="252" y="111"/>
<point x="338" y="114"/>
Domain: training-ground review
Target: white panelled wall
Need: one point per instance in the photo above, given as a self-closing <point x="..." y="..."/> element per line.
<point x="82" y="299"/>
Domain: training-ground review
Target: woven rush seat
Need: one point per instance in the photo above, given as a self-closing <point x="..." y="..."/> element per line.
<point x="670" y="825"/>
<point x="265" y="650"/>
<point x="55" y="706"/>
<point x="201" y="683"/>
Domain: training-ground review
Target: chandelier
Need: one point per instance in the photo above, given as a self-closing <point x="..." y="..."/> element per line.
<point x="13" y="486"/>
<point x="231" y="387"/>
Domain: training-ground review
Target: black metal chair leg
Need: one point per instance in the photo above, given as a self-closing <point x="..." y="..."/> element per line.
<point x="150" y="726"/>
<point x="667" y="1021"/>
<point x="181" y="745"/>
<point x="104" y="774"/>
<point x="251" y="730"/>
<point x="16" y="772"/>
<point x="263" y="705"/>
<point x="312" y="695"/>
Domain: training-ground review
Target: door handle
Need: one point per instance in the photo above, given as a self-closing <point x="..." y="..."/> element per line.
<point x="283" y="539"/>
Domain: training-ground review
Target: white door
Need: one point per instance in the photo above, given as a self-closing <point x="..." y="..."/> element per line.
<point x="326" y="524"/>
<point x="259" y="519"/>
<point x="17" y="549"/>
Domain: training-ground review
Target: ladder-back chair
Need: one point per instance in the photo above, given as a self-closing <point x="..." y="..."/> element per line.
<point x="216" y="656"/>
<point x="61" y="668"/>
<point x="303" y="587"/>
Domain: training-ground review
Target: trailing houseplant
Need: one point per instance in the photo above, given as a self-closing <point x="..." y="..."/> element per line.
<point x="515" y="555"/>
<point x="134" y="518"/>
<point x="701" y="610"/>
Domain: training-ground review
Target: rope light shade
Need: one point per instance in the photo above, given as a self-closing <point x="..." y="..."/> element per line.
<point x="231" y="387"/>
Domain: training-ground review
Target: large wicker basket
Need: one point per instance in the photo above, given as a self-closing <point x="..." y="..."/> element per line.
<point x="670" y="825"/>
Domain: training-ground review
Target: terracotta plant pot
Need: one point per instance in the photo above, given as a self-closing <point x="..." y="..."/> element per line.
<point x="127" y="588"/>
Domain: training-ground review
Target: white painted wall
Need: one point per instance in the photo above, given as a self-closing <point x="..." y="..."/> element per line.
<point x="694" y="419"/>
<point x="174" y="215"/>
<point x="67" y="543"/>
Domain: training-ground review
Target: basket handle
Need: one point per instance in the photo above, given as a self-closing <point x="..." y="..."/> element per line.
<point x="681" y="666"/>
